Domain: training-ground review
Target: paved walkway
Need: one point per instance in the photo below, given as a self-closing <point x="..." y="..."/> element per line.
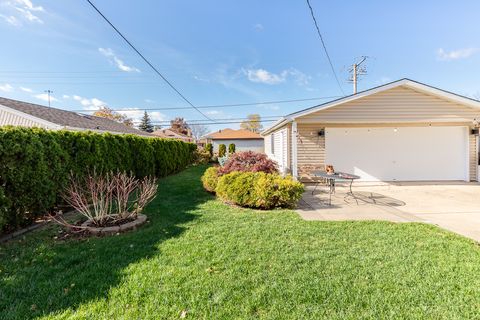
<point x="452" y="206"/>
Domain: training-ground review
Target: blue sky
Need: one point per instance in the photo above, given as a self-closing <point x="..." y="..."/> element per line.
<point x="227" y="52"/>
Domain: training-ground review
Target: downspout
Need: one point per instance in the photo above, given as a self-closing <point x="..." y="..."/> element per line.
<point x="294" y="150"/>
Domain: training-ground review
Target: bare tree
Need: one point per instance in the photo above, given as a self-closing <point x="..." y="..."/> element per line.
<point x="198" y="130"/>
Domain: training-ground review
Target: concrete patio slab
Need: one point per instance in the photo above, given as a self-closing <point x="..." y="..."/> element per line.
<point x="454" y="206"/>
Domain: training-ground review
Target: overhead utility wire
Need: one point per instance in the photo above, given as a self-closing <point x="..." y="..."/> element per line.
<point x="324" y="46"/>
<point x="215" y="106"/>
<point x="148" y="62"/>
<point x="210" y="123"/>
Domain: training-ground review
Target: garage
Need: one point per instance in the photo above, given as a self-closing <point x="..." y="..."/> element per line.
<point x="400" y="131"/>
<point x="399" y="153"/>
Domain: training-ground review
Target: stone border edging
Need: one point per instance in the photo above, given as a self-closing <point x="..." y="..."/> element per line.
<point x="132" y="225"/>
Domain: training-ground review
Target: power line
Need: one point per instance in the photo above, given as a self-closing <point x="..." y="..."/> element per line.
<point x="194" y="121"/>
<point x="324" y="46"/>
<point x="216" y="106"/>
<point x="212" y="123"/>
<point x="148" y="62"/>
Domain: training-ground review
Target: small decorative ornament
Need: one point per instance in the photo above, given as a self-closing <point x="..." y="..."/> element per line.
<point x="329" y="169"/>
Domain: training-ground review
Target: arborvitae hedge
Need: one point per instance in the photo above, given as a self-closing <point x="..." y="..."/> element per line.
<point x="35" y="165"/>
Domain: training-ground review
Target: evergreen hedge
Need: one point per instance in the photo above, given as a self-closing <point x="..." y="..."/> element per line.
<point x="35" y="165"/>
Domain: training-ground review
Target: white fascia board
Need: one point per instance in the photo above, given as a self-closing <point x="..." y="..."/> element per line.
<point x="27" y="116"/>
<point x="276" y="125"/>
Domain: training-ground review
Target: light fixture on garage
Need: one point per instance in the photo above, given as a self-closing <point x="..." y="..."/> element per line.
<point x="395" y="130"/>
<point x="474" y="131"/>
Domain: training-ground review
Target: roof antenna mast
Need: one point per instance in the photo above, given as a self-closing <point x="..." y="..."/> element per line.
<point x="357" y="70"/>
<point x="48" y="93"/>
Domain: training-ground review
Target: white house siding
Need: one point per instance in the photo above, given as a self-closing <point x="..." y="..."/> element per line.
<point x="281" y="152"/>
<point x="12" y="119"/>
<point x="241" y="144"/>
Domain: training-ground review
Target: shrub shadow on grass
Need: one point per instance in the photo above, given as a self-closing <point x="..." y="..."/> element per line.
<point x="40" y="276"/>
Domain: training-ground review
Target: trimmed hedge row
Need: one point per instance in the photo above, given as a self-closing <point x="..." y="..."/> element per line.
<point x="35" y="164"/>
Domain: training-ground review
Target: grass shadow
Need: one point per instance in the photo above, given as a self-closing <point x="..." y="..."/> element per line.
<point x="40" y="276"/>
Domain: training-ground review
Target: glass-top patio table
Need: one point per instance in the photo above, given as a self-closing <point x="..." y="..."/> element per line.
<point x="331" y="178"/>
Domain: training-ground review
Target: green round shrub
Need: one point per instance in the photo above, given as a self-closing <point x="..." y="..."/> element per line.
<point x="222" y="150"/>
<point x="237" y="188"/>
<point x="210" y="179"/>
<point x="259" y="190"/>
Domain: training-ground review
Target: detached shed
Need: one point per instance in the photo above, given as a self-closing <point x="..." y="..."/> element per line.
<point x="400" y="131"/>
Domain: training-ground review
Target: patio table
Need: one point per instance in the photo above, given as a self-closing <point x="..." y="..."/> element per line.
<point x="332" y="178"/>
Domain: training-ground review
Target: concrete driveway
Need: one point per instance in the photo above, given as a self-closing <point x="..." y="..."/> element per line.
<point x="454" y="206"/>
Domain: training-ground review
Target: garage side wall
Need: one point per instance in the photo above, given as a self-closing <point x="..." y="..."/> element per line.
<point x="473" y="157"/>
<point x="278" y="148"/>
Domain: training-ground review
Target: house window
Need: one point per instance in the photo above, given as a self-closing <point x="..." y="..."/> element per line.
<point x="272" y="143"/>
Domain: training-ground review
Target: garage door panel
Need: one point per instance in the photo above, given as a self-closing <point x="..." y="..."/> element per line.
<point x="399" y="154"/>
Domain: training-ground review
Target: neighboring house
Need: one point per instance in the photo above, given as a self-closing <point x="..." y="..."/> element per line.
<point x="24" y="114"/>
<point x="400" y="131"/>
<point x="170" y="134"/>
<point x="244" y="140"/>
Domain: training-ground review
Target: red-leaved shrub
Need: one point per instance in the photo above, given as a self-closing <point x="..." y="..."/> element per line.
<point x="249" y="161"/>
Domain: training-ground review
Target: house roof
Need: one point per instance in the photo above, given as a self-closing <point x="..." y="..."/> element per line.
<point x="402" y="82"/>
<point x="69" y="119"/>
<point x="169" y="133"/>
<point x="233" y="134"/>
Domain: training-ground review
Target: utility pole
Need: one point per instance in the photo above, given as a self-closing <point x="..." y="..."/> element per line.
<point x="357" y="70"/>
<point x="49" y="92"/>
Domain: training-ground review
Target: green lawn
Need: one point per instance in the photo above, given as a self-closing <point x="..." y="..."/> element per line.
<point x="218" y="262"/>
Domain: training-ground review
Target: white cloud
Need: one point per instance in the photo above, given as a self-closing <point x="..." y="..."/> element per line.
<point x="88" y="104"/>
<point x="119" y="63"/>
<point x="29" y="5"/>
<point x="213" y="112"/>
<point x="258" y="27"/>
<point x="26" y="89"/>
<point x="136" y="114"/>
<point x="11" y="20"/>
<point x="149" y="101"/>
<point x="22" y="10"/>
<point x="66" y="96"/>
<point x="44" y="97"/>
<point x="456" y="54"/>
<point x="266" y="77"/>
<point x="6" y="87"/>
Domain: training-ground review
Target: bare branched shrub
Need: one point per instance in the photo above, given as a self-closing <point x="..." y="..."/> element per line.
<point x="109" y="197"/>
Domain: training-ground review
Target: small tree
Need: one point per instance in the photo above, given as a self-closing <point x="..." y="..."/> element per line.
<point x="198" y="131"/>
<point x="209" y="149"/>
<point x="106" y="112"/>
<point x="146" y="124"/>
<point x="254" y="123"/>
<point x="179" y="125"/>
<point x="222" y="149"/>
<point x="231" y="148"/>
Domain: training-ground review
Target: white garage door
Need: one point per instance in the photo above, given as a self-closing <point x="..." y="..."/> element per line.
<point x="399" y="154"/>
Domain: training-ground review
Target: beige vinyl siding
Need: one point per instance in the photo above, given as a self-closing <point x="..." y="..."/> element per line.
<point x="397" y="105"/>
<point x="473" y="157"/>
<point x="12" y="119"/>
<point x="310" y="149"/>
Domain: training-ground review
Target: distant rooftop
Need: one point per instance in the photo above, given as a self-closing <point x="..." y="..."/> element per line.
<point x="69" y="119"/>
<point x="233" y="134"/>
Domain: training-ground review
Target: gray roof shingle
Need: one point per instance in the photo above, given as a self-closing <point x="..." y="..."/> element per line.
<point x="70" y="119"/>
